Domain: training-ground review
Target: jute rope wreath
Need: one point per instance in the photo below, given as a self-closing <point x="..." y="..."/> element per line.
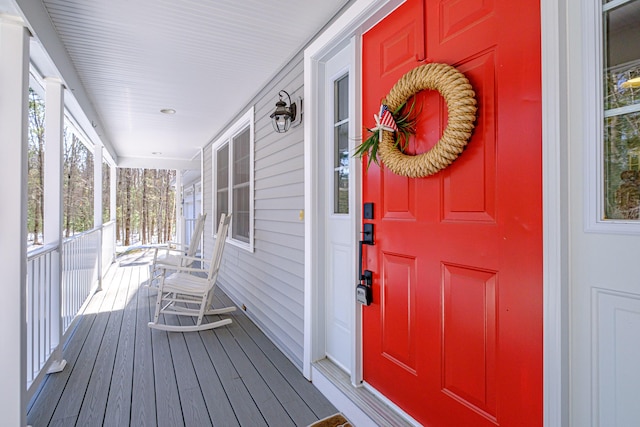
<point x="461" y="103"/>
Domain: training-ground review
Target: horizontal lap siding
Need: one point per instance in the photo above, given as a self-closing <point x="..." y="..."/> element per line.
<point x="270" y="281"/>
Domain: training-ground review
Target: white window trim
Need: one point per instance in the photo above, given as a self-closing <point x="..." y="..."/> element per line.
<point x="594" y="127"/>
<point x="240" y="125"/>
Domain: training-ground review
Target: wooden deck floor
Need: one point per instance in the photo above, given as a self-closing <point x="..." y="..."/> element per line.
<point x="122" y="373"/>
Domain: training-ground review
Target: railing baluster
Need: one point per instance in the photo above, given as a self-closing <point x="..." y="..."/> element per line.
<point x="29" y="311"/>
<point x="36" y="312"/>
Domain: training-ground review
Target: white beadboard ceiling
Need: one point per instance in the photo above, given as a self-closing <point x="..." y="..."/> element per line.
<point x="204" y="58"/>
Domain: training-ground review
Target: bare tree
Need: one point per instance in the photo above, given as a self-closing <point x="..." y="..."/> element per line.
<point x="36" y="166"/>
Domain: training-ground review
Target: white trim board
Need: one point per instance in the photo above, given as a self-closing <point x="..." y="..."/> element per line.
<point x="554" y="214"/>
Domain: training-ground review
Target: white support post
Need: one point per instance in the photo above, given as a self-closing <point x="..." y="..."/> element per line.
<point x="180" y="225"/>
<point x="113" y="187"/>
<point x="53" y="217"/>
<point x="97" y="204"/>
<point x="14" y="90"/>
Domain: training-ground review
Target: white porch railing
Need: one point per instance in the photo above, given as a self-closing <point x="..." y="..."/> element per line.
<point x="80" y="272"/>
<point x="51" y="307"/>
<point x="42" y="334"/>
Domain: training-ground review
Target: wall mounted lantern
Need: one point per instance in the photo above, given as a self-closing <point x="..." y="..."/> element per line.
<point x="284" y="114"/>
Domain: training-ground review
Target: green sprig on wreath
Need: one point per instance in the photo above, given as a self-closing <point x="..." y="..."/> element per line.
<point x="402" y="121"/>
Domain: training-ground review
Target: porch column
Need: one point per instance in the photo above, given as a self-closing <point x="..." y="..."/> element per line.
<point x="97" y="204"/>
<point x="14" y="87"/>
<point x="180" y="226"/>
<point x="53" y="190"/>
<point x="113" y="187"/>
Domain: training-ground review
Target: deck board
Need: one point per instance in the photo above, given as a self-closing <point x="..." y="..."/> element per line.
<point x="143" y="395"/>
<point x="312" y="397"/>
<point x="118" y="409"/>
<point x="218" y="405"/>
<point x="93" y="408"/>
<point x="73" y="396"/>
<point x="292" y="403"/>
<point x="121" y="373"/>
<point x="194" y="409"/>
<point x="169" y="411"/>
<point x="270" y="408"/>
<point x="245" y="408"/>
<point x="46" y="400"/>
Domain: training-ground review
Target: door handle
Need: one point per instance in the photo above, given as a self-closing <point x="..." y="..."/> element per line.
<point x="363" y="289"/>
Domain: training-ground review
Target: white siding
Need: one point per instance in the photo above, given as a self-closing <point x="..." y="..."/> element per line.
<point x="270" y="281"/>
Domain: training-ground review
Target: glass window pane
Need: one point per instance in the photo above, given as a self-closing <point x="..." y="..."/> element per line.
<point x="622" y="126"/>
<point x="341" y="169"/>
<point x="222" y="205"/>
<point x="222" y="182"/>
<point x="341" y="146"/>
<point x="241" y="215"/>
<point x="222" y="167"/>
<point x="241" y="144"/>
<point x="341" y="93"/>
<point x="622" y="55"/>
<point x="241" y="188"/>
<point x="621" y="173"/>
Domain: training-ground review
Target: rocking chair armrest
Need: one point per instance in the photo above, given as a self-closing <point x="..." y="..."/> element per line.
<point x="176" y="246"/>
<point x="191" y="259"/>
<point x="167" y="251"/>
<point x="171" y="250"/>
<point x="181" y="269"/>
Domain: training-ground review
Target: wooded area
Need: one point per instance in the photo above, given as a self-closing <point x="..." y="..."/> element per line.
<point x="77" y="198"/>
<point x="145" y="206"/>
<point x="145" y="199"/>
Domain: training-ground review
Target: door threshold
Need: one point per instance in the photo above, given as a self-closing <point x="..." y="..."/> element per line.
<point x="362" y="407"/>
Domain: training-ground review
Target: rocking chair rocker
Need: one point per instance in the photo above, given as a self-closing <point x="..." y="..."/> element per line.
<point x="187" y="293"/>
<point x="176" y="254"/>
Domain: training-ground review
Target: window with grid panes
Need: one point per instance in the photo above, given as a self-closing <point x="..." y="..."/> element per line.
<point x="233" y="180"/>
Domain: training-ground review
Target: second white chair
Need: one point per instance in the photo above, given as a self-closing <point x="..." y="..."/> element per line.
<point x="188" y="292"/>
<point x="173" y="255"/>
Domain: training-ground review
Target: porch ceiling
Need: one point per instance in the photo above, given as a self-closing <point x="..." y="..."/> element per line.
<point x="130" y="59"/>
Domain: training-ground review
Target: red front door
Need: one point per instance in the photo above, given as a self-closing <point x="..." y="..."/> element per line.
<point x="454" y="334"/>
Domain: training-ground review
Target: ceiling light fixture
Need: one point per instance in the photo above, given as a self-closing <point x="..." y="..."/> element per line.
<point x="168" y="111"/>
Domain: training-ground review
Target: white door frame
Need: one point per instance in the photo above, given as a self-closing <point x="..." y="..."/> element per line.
<point x="364" y="14"/>
<point x="344" y="31"/>
<point x="554" y="214"/>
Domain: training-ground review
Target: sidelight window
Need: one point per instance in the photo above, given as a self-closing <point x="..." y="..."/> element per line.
<point x="341" y="146"/>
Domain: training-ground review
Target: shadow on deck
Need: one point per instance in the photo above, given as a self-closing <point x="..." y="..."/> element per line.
<point x="122" y="373"/>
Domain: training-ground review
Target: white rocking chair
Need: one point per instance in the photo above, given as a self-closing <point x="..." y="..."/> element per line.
<point x="187" y="293"/>
<point x="176" y="254"/>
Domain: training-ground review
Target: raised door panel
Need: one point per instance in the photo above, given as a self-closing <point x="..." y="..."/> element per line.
<point x="469" y="313"/>
<point x="469" y="185"/>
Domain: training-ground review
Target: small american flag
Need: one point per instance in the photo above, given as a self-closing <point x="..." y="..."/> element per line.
<point x="386" y="118"/>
